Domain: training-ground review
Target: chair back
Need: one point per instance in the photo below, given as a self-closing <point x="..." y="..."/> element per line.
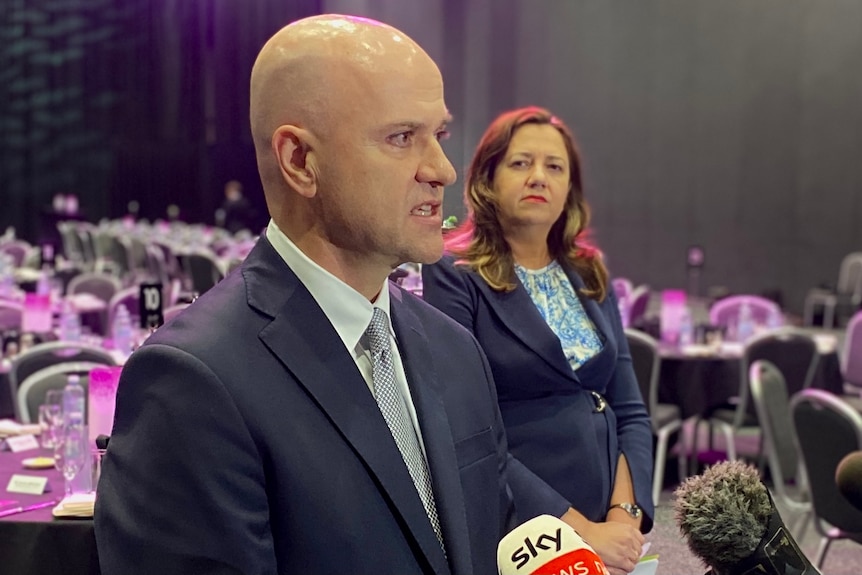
<point x="44" y="355"/>
<point x="726" y="311"/>
<point x="31" y="392"/>
<point x="99" y="284"/>
<point x="129" y="297"/>
<point x="638" y="301"/>
<point x="793" y="353"/>
<point x="173" y="311"/>
<point x="851" y="360"/>
<point x="647" y="364"/>
<point x="622" y="288"/>
<point x="17" y="249"/>
<point x="772" y="403"/>
<point x="827" y="429"/>
<point x="850" y="277"/>
<point x="204" y="270"/>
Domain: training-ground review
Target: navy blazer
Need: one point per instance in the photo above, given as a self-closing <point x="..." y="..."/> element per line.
<point x="551" y="417"/>
<point x="246" y="441"/>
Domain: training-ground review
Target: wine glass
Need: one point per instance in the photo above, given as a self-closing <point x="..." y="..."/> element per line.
<point x="69" y="456"/>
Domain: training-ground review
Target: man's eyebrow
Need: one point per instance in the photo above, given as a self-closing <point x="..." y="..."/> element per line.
<point x="412" y="125"/>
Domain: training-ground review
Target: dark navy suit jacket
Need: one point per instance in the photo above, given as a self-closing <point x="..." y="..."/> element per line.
<point x="246" y="441"/>
<point x="551" y="420"/>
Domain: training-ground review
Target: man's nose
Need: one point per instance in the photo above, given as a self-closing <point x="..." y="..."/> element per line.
<point x="436" y="169"/>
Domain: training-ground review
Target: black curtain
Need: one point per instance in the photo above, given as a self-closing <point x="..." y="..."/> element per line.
<point x="120" y="100"/>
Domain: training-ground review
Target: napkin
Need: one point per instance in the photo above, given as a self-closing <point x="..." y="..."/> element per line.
<point x="10" y="427"/>
<point x="76" y="505"/>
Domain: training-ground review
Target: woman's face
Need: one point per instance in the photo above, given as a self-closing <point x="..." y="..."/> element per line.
<point x="532" y="180"/>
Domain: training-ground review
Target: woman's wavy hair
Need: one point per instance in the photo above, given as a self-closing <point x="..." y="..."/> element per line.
<point x="479" y="241"/>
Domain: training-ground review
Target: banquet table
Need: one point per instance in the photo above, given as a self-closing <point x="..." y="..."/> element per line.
<point x="36" y="543"/>
<point x="701" y="382"/>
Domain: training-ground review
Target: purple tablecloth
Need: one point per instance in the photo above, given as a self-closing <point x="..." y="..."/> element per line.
<point x="35" y="543"/>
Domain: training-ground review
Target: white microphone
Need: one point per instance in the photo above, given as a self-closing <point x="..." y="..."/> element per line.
<point x="546" y="545"/>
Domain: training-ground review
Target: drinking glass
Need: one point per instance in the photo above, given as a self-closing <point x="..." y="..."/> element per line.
<point x="50" y="418"/>
<point x="69" y="456"/>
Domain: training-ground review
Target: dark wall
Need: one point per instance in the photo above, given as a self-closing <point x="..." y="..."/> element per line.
<point x="734" y="125"/>
<point x="119" y="100"/>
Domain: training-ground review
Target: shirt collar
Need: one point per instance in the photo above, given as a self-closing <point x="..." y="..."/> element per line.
<point x="347" y="309"/>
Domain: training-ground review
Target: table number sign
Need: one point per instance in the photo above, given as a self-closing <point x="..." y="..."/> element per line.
<point x="28" y="484"/>
<point x="151" y="306"/>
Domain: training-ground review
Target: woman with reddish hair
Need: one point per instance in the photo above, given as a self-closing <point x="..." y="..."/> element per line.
<point x="522" y="276"/>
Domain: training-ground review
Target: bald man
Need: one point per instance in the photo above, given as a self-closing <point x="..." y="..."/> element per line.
<point x="250" y="434"/>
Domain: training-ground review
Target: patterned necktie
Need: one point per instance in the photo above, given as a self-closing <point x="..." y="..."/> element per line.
<point x="394" y="411"/>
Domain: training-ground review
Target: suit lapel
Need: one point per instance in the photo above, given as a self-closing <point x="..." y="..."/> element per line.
<point x="305" y="342"/>
<point x="519" y="314"/>
<point x="426" y="391"/>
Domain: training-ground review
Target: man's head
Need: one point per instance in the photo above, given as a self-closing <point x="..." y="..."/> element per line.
<point x="346" y="115"/>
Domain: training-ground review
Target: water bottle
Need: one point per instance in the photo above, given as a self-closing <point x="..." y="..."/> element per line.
<point x="122" y="330"/>
<point x="686" y="328"/>
<point x="73" y="401"/>
<point x="745" y="324"/>
<point x="43" y="284"/>
<point x="7" y="279"/>
<point x="70" y="324"/>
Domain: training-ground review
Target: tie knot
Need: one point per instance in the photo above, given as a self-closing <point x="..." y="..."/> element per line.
<point x="378" y="330"/>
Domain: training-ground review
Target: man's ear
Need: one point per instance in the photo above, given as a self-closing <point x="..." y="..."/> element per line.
<point x="295" y="153"/>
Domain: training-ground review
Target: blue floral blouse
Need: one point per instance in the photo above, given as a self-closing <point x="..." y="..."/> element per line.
<point x="554" y="296"/>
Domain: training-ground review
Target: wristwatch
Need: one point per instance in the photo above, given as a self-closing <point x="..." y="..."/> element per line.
<point x="631" y="508"/>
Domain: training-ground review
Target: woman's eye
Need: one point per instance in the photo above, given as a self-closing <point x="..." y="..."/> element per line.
<point x="442" y="135"/>
<point x="556" y="167"/>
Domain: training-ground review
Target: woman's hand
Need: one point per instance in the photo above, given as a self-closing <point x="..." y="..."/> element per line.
<point x="618" y="544"/>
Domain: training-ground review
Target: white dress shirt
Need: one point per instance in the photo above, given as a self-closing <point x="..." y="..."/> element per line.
<point x="348" y="311"/>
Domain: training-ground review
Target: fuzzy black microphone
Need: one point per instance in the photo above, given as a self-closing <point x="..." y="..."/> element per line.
<point x="729" y="521"/>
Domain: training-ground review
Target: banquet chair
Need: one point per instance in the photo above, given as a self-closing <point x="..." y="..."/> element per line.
<point x="622" y="288"/>
<point x="827" y="429"/>
<point x="11" y="313"/>
<point x="31" y="392"/>
<point x="725" y="312"/>
<point x="851" y="359"/>
<point x="129" y="297"/>
<point x="44" y="355"/>
<point x="17" y="249"/>
<point x="73" y="249"/>
<point x="174" y="310"/>
<point x="638" y="302"/>
<point x="847" y="295"/>
<point x="99" y="284"/>
<point x="772" y="402"/>
<point x="85" y="231"/>
<point x="793" y="353"/>
<point x="204" y="270"/>
<point x="665" y="418"/>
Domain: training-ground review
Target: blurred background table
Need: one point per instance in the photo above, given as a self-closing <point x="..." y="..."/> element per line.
<point x="34" y="542"/>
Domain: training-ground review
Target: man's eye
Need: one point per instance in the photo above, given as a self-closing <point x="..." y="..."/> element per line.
<point x="401" y="139"/>
<point x="442" y="135"/>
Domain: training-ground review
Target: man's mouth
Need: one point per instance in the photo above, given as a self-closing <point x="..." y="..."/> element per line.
<point x="424" y="210"/>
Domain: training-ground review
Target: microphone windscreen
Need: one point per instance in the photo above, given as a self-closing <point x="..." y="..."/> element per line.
<point x="848" y="477"/>
<point x="723" y="514"/>
<point x="546" y="545"/>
